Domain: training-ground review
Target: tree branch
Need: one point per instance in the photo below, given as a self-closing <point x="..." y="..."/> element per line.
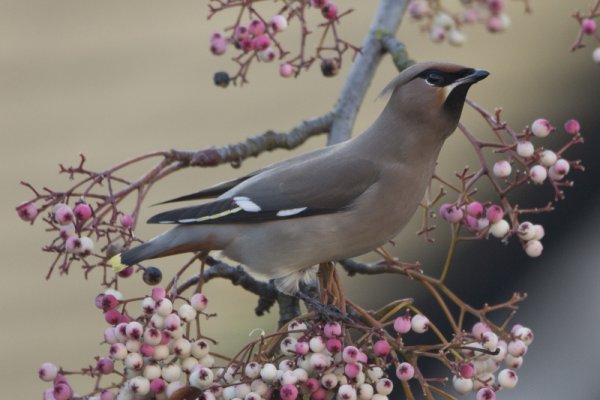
<point x="266" y="292"/>
<point x="386" y="22"/>
<point x="254" y="146"/>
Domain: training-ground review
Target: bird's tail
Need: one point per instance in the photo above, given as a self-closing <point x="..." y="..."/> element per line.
<point x="175" y="241"/>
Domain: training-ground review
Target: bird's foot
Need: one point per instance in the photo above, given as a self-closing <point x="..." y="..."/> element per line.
<point x="326" y="311"/>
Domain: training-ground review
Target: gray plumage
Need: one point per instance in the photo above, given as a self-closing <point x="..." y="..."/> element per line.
<point x="333" y="203"/>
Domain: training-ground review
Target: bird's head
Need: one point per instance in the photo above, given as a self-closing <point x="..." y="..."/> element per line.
<point x="432" y="93"/>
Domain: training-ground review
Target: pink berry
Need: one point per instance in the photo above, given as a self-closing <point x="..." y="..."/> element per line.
<point x="73" y="244"/>
<point x="127" y="272"/>
<point x="471" y="222"/>
<point x="438" y="34"/>
<point x="405" y="371"/>
<point x="47" y="372"/>
<point x="319" y="394"/>
<point x="147" y="350"/>
<point x="218" y="47"/>
<point x="106" y="302"/>
<point x="381" y="348"/>
<point x="62" y="391"/>
<point x="333" y="345"/>
<point x="60" y="378"/>
<point x="64" y="215"/>
<point x="288" y="392"/>
<point x="588" y="26"/>
<point x="475" y="209"/>
<point x="351" y="370"/>
<point x="486" y="394"/>
<point x="402" y="324"/>
<point x="329" y="11"/>
<point x="278" y="23"/>
<point x="261" y="42"/>
<point x="494" y="213"/>
<point x="126" y="220"/>
<point x="467" y="370"/>
<point x="158" y="385"/>
<point x="312" y="385"/>
<point x="451" y="213"/>
<point x="286" y="70"/>
<point x="241" y="32"/>
<point x="66" y="231"/>
<point x="159" y="293"/>
<point x="217" y="36"/>
<point x="318" y="3"/>
<point x="498" y="23"/>
<point x="471" y="15"/>
<point x="246" y="44"/>
<point x="112" y="317"/>
<point x="541" y="127"/>
<point x="83" y="211"/>
<point x="362" y="357"/>
<point x="256" y="27"/>
<point x="107" y="395"/>
<point x="496" y="6"/>
<point x="105" y="365"/>
<point x="572" y="127"/>
<point x="332" y="329"/>
<point x="27" y="211"/>
<point x="350" y="354"/>
<point x="302" y="348"/>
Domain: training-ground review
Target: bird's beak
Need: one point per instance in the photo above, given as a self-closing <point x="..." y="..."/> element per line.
<point x="476" y="76"/>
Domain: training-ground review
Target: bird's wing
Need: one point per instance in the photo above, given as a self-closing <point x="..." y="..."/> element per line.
<point x="293" y="191"/>
<point x="212" y="191"/>
<point x="220" y="188"/>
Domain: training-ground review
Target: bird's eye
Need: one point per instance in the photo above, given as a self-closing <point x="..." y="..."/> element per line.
<point x="434" y="79"/>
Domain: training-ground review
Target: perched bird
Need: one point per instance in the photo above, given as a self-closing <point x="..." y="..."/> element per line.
<point x="333" y="203"/>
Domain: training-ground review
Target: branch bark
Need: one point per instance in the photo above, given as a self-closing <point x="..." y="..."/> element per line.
<point x="254" y="146"/>
<point x="386" y="23"/>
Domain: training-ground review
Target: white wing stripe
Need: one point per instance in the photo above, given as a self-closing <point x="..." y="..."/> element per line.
<point x="289" y="212"/>
<point x="246" y="204"/>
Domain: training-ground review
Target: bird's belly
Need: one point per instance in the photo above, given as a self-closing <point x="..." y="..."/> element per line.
<point x="279" y="248"/>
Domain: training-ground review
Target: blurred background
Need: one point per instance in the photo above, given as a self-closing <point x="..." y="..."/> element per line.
<point x="113" y="79"/>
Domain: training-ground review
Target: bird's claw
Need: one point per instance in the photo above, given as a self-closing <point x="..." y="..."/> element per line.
<point x="326" y="311"/>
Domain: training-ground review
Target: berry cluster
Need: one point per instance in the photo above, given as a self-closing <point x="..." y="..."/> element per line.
<point x="487" y="354"/>
<point x="258" y="39"/>
<point x="161" y="354"/>
<point x="588" y="28"/>
<point x="87" y="224"/>
<point x="444" y="24"/>
<point x="522" y="163"/>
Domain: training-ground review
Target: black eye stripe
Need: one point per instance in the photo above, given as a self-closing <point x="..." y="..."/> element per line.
<point x="442" y="78"/>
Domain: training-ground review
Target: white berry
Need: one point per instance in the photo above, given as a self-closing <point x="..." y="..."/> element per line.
<point x="525" y="148"/>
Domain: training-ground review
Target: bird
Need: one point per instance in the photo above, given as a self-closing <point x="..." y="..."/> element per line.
<point x="329" y="204"/>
